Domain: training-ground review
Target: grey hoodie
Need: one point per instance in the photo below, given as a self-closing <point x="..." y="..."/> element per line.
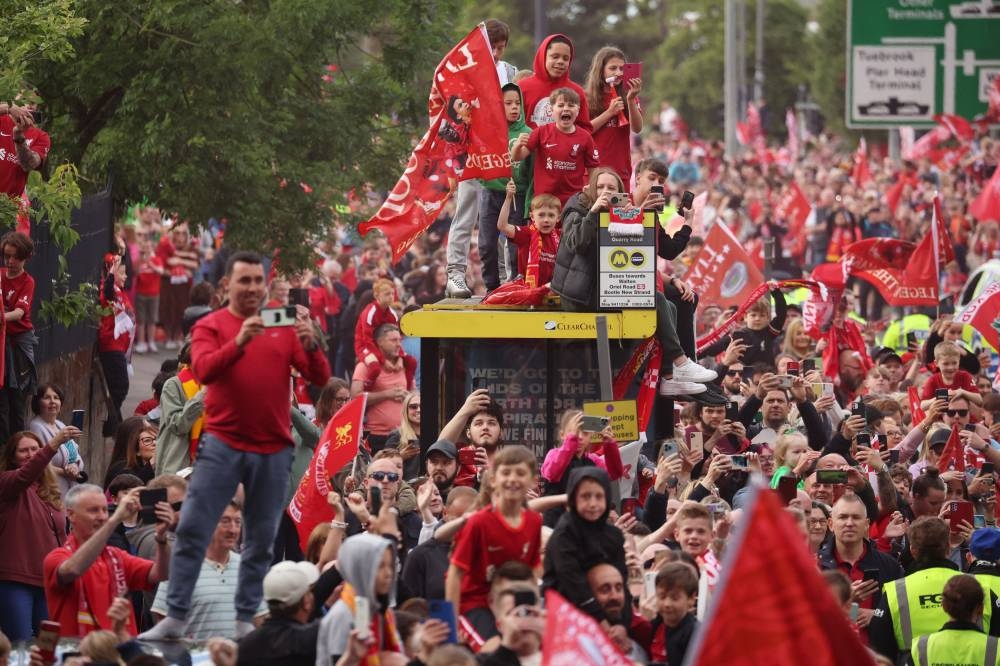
<point x="358" y="563"/>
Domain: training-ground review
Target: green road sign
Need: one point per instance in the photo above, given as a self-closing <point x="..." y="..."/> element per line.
<point x="910" y="59"/>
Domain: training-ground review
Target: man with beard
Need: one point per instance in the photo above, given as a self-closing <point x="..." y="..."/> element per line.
<point x="774" y="402"/>
<point x="851" y="552"/>
<point x="478" y="424"/>
<point x="442" y="465"/>
<point x="608" y="587"/>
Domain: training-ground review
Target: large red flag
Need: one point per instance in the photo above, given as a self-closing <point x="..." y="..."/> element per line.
<point x="794" y="208"/>
<point x="722" y="273"/>
<point x="818" y="309"/>
<point x="951" y="456"/>
<point x="861" y="174"/>
<point x="337" y="447"/>
<point x="573" y="638"/>
<point x="467" y="138"/>
<point x="873" y="253"/>
<point x="986" y="206"/>
<point x="772" y="606"/>
<point x="982" y="314"/>
<point x="916" y="411"/>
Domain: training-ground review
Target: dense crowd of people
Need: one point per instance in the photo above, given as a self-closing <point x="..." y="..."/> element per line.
<point x="884" y="459"/>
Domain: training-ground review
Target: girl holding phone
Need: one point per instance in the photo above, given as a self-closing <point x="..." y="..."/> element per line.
<point x="614" y="110"/>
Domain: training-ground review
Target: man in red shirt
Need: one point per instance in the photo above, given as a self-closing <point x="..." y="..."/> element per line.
<point x="23" y="148"/>
<point x="18" y="291"/>
<point x="247" y="438"/>
<point x="84" y="576"/>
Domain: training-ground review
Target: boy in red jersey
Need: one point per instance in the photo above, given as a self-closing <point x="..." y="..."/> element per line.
<point x="501" y="532"/>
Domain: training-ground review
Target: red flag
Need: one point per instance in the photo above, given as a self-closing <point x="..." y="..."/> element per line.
<point x="818" y="309"/>
<point x="895" y="191"/>
<point x="981" y="314"/>
<point x="722" y="273"/>
<point x="573" y="638"/>
<point x="766" y="614"/>
<point x="987" y="205"/>
<point x="861" y="174"/>
<point x="337" y="447"/>
<point x="648" y="350"/>
<point x="872" y="253"/>
<point x="467" y="138"/>
<point x="794" y="208"/>
<point x="916" y="412"/>
<point x="951" y="457"/>
<point x="945" y="144"/>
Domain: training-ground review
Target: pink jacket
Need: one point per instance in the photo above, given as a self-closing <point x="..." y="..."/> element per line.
<point x="557" y="460"/>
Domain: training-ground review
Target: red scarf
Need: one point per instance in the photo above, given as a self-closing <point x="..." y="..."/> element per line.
<point x="118" y="584"/>
<point x="532" y="275"/>
<point x="383" y="629"/>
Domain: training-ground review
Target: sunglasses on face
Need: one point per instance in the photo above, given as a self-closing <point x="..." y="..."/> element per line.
<point x="391" y="477"/>
<point x="413" y="407"/>
<point x="957" y="412"/>
<point x="734" y="373"/>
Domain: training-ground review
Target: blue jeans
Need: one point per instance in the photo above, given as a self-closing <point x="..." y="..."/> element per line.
<point x="217" y="472"/>
<point x="22" y="608"/>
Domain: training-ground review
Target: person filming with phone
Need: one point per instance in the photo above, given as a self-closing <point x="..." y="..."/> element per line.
<point x="247" y="437"/>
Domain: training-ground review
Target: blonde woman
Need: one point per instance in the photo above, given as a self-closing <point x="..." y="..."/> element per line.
<point x="797" y="342"/>
<point x="406" y="437"/>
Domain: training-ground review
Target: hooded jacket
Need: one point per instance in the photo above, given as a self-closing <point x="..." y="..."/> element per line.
<point x="578" y="544"/>
<point x="537" y="88"/>
<point x="358" y="562"/>
<point x="574" y="276"/>
<point x="521" y="171"/>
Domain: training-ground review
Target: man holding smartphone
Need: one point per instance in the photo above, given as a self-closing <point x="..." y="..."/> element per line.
<point x="247" y="438"/>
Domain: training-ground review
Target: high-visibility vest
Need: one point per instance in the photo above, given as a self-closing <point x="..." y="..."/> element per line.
<point x="958" y="647"/>
<point x="915" y="604"/>
<point x="895" y="335"/>
<point x="990" y="583"/>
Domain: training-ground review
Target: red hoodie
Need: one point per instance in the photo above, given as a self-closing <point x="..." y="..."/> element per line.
<point x="536" y="90"/>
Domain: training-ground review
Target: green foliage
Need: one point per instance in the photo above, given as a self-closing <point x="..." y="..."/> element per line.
<point x="32" y="32"/>
<point x="72" y="306"/>
<point x="829" y="75"/>
<point x="219" y="109"/>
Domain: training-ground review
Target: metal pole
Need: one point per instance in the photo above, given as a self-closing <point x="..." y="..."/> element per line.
<point x="730" y="96"/>
<point x="768" y="258"/>
<point x="741" y="58"/>
<point x="604" y="358"/>
<point x="758" y="74"/>
<point x="894" y="148"/>
<point x="541" y="20"/>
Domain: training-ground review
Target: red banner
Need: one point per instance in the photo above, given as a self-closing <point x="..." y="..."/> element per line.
<point x="916" y="412"/>
<point x="722" y="273"/>
<point x="818" y="309"/>
<point x="339" y="444"/>
<point x="952" y="457"/>
<point x="986" y="206"/>
<point x="573" y="638"/>
<point x="860" y="173"/>
<point x="467" y="138"/>
<point x="981" y="314"/>
<point x="793" y="208"/>
<point x="875" y="253"/>
<point x="766" y="614"/>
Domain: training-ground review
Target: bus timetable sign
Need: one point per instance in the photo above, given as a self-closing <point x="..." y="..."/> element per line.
<point x="910" y="59"/>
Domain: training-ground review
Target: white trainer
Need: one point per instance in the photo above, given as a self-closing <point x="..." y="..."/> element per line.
<point x="672" y="387"/>
<point x="690" y="371"/>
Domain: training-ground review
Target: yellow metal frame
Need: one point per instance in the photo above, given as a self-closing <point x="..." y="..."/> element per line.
<point x="458" y="319"/>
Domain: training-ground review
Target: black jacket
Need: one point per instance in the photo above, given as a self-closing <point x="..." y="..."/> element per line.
<point x="678" y="638"/>
<point x="576" y="545"/>
<point x="280" y="642"/>
<point x="887" y="566"/>
<point x="502" y="657"/>
<point x="425" y="569"/>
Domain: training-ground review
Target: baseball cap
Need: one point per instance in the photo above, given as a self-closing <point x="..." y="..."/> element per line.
<point x="985" y="544"/>
<point x="939" y="437"/>
<point x="287" y="582"/>
<point x="887" y="354"/>
<point x="445" y="447"/>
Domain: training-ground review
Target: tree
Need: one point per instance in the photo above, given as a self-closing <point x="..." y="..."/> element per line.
<point x="692" y="74"/>
<point x="265" y="113"/>
<point x="829" y="77"/>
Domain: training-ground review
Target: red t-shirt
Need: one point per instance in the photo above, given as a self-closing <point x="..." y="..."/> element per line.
<point x="247" y="402"/>
<point x="487" y="541"/>
<point x="372" y="316"/>
<point x="121" y="308"/>
<point x="962" y="380"/>
<point x="527" y="241"/>
<point x="562" y="160"/>
<point x="614" y="143"/>
<point x="147" y="281"/>
<point x="12" y="176"/>
<point x="17" y="293"/>
<point x="78" y="606"/>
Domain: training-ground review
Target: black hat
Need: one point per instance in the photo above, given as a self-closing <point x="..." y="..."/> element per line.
<point x="445" y="447"/>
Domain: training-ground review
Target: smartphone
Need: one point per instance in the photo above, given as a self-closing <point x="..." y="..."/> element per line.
<point x="479" y="383"/>
<point x="986" y="469"/>
<point x="893" y="456"/>
<point x="941" y="394"/>
<point x="739" y="461"/>
<point x="859" y="409"/>
<point x="870" y="574"/>
<point x="831" y="476"/>
<point x="958" y="511"/>
<point x="717" y="508"/>
<point x="697" y="440"/>
<point x="630" y="505"/>
<point x="808" y="365"/>
<point x="77" y="420"/>
<point x="733" y="411"/>
<point x="979" y="521"/>
<point x="792" y="368"/>
<point x="969" y="427"/>
<point x="48" y="639"/>
<point x="788" y="489"/>
<point x="148" y="499"/>
<point x="594" y="423"/>
<point x="276" y="317"/>
<point x="467" y="456"/>
<point x="748" y="373"/>
<point x="687" y="199"/>
<point x="631" y="70"/>
<point x="298" y="296"/>
<point x="524" y="598"/>
<point x="657" y="189"/>
<point x="785" y="381"/>
<point x="911" y="339"/>
<point x="864" y="439"/>
<point x="376" y="494"/>
<point x="439" y="609"/>
<point x="362" y="617"/>
<point x="854" y="612"/>
<point x="649" y="583"/>
<point x="669" y="448"/>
